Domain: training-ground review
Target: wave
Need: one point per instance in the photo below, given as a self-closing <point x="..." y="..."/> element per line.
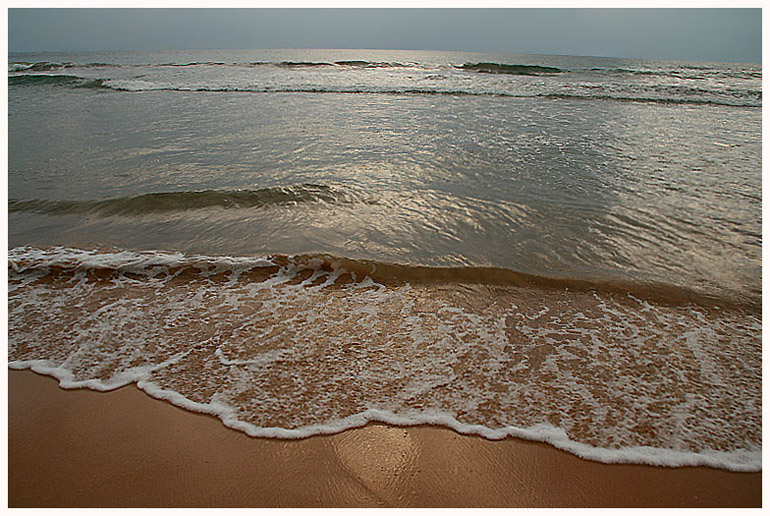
<point x="292" y="346"/>
<point x="41" y="66"/>
<point x="24" y="259"/>
<point x="335" y="64"/>
<point x="659" y="95"/>
<point x="196" y="63"/>
<point x="684" y="72"/>
<point x="681" y="72"/>
<point x="300" y="64"/>
<point x="374" y="64"/>
<point x="47" y="66"/>
<point x="510" y="69"/>
<point x="189" y="200"/>
<point x="56" y="80"/>
<point x="34" y="80"/>
<point x="732" y="101"/>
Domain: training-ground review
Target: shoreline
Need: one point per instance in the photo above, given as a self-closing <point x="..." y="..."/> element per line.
<point x="125" y="449"/>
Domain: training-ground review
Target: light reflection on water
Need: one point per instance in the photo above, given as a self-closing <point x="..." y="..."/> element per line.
<point x="550" y="187"/>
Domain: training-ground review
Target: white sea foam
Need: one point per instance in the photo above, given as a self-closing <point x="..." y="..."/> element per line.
<point x="741" y="87"/>
<point x="737" y="460"/>
<point x="294" y="349"/>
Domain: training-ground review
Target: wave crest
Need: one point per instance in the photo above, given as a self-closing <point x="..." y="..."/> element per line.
<point x="510" y="69"/>
<point x="55" y="80"/>
<point x="190" y="200"/>
<point x="655" y="95"/>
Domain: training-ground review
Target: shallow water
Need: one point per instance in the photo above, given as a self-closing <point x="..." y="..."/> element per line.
<point x="566" y="249"/>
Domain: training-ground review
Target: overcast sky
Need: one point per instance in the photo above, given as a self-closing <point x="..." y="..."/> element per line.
<point x="682" y="34"/>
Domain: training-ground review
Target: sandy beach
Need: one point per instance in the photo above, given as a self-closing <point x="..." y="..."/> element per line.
<point x="82" y="448"/>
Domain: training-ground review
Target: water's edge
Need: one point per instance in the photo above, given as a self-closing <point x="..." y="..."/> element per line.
<point x="746" y="461"/>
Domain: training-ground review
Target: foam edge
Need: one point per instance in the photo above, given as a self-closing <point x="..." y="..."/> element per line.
<point x="737" y="461"/>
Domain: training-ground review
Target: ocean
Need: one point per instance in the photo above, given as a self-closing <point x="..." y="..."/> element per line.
<point x="562" y="249"/>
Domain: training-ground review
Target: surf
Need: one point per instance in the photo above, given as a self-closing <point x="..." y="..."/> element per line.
<point x="291" y="346"/>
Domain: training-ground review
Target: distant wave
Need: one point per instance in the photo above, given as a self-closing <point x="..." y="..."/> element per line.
<point x="737" y="99"/>
<point x="684" y="72"/>
<point x="203" y="63"/>
<point x="335" y="64"/>
<point x="182" y="201"/>
<point x="46" y="66"/>
<point x="301" y="64"/>
<point x="55" y="80"/>
<point x="41" y="66"/>
<point x="510" y="69"/>
<point x="677" y="72"/>
<point x="652" y="100"/>
<point x="657" y="94"/>
<point x="373" y="64"/>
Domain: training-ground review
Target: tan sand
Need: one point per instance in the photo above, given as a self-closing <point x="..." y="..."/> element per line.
<point x="125" y="449"/>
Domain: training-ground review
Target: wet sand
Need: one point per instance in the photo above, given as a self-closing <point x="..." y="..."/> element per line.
<point x="80" y="448"/>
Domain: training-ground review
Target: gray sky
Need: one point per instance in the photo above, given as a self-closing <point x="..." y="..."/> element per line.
<point x="683" y="34"/>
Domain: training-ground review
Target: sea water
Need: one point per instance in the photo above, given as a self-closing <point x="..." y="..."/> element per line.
<point x="564" y="249"/>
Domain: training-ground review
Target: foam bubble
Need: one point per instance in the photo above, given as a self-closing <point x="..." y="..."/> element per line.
<point x="294" y="346"/>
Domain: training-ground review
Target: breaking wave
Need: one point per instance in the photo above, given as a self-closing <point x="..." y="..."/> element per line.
<point x="510" y="69"/>
<point x="56" y="80"/>
<point x="293" y="346"/>
<point x="655" y="95"/>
